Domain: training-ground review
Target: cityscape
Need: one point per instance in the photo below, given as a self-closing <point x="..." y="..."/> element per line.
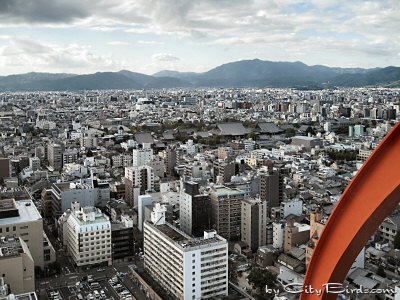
<point x="180" y="150"/>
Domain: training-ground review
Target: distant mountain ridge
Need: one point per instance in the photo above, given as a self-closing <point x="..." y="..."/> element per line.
<point x="244" y="73"/>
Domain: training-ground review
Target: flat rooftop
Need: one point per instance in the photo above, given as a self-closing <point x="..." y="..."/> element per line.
<point x="27" y="213"/>
<point x="225" y="191"/>
<point x="10" y="246"/>
<point x="183" y="240"/>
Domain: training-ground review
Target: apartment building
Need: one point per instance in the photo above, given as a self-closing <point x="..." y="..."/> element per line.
<point x="226" y="211"/>
<point x="88" y="236"/>
<point x="141" y="156"/>
<point x="254" y="223"/>
<point x="186" y="267"/>
<point x="55" y="156"/>
<point x="138" y="180"/>
<point x="271" y="187"/>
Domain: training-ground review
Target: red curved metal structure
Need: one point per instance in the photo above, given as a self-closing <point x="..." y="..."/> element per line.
<point x="370" y="197"/>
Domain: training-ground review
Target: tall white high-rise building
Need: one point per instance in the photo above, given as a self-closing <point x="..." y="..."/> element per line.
<point x="186" y="267"/>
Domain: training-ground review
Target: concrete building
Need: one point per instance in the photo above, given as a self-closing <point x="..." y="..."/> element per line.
<point x="21" y="218"/>
<point x="5" y="168"/>
<point x="69" y="156"/>
<point x="34" y="163"/>
<point x="122" y="241"/>
<point x="138" y="180"/>
<point x="186" y="267"/>
<point x="293" y="207"/>
<point x="88" y="236"/>
<point x="226" y="209"/>
<point x="224" y="170"/>
<point x="194" y="209"/>
<point x="60" y="196"/>
<point x="121" y="160"/>
<point x="169" y="157"/>
<point x="55" y="156"/>
<point x="306" y="142"/>
<point x="278" y="231"/>
<point x="143" y="201"/>
<point x="141" y="156"/>
<point x="295" y="235"/>
<point x="389" y="227"/>
<point x="271" y="187"/>
<point x="16" y="265"/>
<point x="254" y="223"/>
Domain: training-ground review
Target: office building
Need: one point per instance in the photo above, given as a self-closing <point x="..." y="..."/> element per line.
<point x="22" y="219"/>
<point x="194" y="209"/>
<point x="88" y="236"/>
<point x="186" y="267"/>
<point x="59" y="197"/>
<point x="122" y="239"/>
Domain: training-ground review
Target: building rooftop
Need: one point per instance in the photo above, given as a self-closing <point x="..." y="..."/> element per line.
<point x="10" y="246"/>
<point x="27" y="212"/>
<point x="184" y="241"/>
<point x="225" y="191"/>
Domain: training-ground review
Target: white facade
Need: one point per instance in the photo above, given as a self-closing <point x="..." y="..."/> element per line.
<point x="278" y="231"/>
<point x="141" y="156"/>
<point x="88" y="237"/>
<point x="188" y="268"/>
<point x="34" y="163"/>
<point x="121" y="161"/>
<point x="294" y="207"/>
<point x="143" y="200"/>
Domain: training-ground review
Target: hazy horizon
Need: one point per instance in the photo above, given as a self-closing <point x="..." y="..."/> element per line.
<point x="83" y="37"/>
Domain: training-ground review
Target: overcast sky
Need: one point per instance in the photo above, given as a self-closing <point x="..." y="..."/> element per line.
<point x="85" y="36"/>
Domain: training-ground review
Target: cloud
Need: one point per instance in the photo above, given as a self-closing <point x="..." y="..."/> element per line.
<point x="20" y="52"/>
<point x="164" y="57"/>
<point x="149" y="42"/>
<point x="284" y="29"/>
<point x="42" y="11"/>
<point x="118" y="43"/>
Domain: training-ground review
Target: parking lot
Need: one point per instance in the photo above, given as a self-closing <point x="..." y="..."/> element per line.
<point x="92" y="289"/>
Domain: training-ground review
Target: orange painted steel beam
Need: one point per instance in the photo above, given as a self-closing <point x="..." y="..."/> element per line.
<point x="370" y="197"/>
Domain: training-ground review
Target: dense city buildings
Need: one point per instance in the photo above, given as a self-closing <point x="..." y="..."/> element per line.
<point x="168" y="182"/>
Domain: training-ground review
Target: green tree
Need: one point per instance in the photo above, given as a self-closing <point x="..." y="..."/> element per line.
<point x="290" y="132"/>
<point x="260" y="278"/>
<point x="252" y="135"/>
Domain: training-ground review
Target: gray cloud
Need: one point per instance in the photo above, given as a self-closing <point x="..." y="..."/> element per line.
<point x="42" y="11"/>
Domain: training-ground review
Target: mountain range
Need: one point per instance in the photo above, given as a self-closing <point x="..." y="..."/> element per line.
<point x="245" y="73"/>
